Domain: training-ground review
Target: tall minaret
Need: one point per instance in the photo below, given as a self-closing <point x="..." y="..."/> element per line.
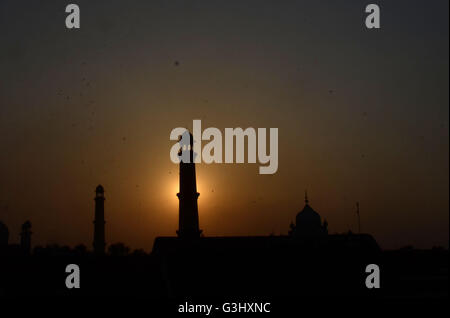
<point x="99" y="222"/>
<point x="188" y="195"/>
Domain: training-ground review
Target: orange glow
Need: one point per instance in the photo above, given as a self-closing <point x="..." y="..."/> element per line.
<point x="172" y="186"/>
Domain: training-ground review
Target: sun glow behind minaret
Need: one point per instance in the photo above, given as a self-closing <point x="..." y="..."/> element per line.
<point x="173" y="187"/>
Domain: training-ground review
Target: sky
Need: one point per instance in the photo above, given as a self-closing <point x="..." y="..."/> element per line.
<point x="362" y="116"/>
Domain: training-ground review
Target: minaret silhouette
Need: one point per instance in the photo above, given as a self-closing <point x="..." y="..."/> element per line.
<point x="99" y="222"/>
<point x="25" y="237"/>
<point x="188" y="195"/>
<point x="359" y="218"/>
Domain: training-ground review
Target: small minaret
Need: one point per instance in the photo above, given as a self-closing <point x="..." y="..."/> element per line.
<point x="359" y="218"/>
<point x="325" y="227"/>
<point x="25" y="237"/>
<point x="99" y="222"/>
<point x="188" y="195"/>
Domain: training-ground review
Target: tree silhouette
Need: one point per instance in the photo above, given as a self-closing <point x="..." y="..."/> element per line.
<point x="118" y="249"/>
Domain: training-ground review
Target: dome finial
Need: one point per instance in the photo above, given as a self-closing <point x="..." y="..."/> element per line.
<point x="99" y="189"/>
<point x="306" y="197"/>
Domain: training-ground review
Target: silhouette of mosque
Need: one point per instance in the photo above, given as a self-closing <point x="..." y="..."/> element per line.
<point x="308" y="262"/>
<point x="308" y="222"/>
<point x="265" y="263"/>
<point x="308" y="225"/>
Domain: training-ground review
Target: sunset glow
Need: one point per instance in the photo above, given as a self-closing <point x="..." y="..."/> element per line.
<point x="357" y="120"/>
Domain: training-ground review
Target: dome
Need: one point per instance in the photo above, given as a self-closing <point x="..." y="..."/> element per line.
<point x="308" y="218"/>
<point x="99" y="189"/>
<point x="308" y="221"/>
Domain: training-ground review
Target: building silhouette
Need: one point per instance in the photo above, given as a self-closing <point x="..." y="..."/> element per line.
<point x="308" y="222"/>
<point x="99" y="222"/>
<point x="257" y="264"/>
<point x="188" y="208"/>
<point x="25" y="237"/>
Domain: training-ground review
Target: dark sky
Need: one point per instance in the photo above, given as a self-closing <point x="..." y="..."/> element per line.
<point x="362" y="116"/>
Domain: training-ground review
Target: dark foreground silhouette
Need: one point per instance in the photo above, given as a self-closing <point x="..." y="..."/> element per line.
<point x="285" y="271"/>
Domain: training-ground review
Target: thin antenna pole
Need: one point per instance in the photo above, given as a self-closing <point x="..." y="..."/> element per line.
<point x="359" y="218"/>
